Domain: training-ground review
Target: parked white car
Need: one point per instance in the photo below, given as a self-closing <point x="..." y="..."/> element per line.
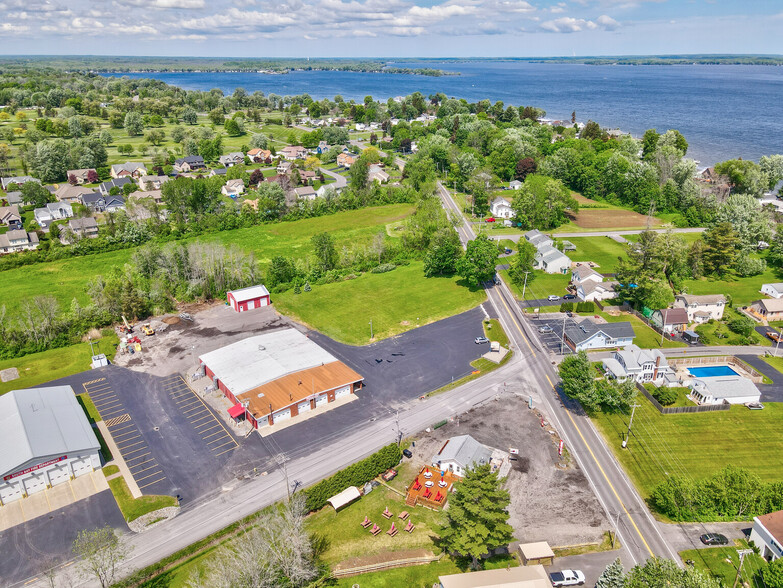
<point x="567" y="578"/>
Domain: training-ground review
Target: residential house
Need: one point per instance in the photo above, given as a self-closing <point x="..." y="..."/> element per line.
<point x="326" y="190"/>
<point x="18" y="180"/>
<point x="220" y="171"/>
<point x="129" y="169"/>
<point x="772" y="290"/>
<point x="590" y="291"/>
<point x="305" y="193"/>
<point x="189" y="163"/>
<point x="767" y="309"/>
<point x="81" y="175"/>
<point x="515" y="184"/>
<point x="537" y="238"/>
<point x="709" y="175"/>
<point x="114" y="203"/>
<point x="500" y="208"/>
<point x="79" y="228"/>
<point x="104" y="202"/>
<point x="551" y="260"/>
<point x="345" y="160"/>
<point x="640" y="365"/>
<point x="53" y="211"/>
<point x="767" y="535"/>
<point x="233" y="188"/>
<point x="670" y="320"/>
<point x="461" y="453"/>
<point x="71" y="194"/>
<point x="361" y="126"/>
<point x="10" y="217"/>
<point x="306" y="176"/>
<point x="232" y="159"/>
<point x="701" y="308"/>
<point x="376" y="174"/>
<point x="105" y="187"/>
<point x="582" y="273"/>
<point x="14" y="197"/>
<point x="284" y="167"/>
<point x="155" y="195"/>
<point x="152" y="182"/>
<point x="587" y="335"/>
<point x="723" y="390"/>
<point x="293" y="152"/>
<point x="260" y="155"/>
<point x="322" y="148"/>
<point x="18" y="240"/>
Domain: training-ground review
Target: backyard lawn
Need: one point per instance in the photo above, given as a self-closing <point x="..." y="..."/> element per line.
<point x="601" y="250"/>
<point x="541" y="286"/>
<point x="394" y="301"/>
<point x="66" y="279"/>
<point x="743" y="291"/>
<point x="38" y="368"/>
<point x="646" y="337"/>
<point x="696" y="443"/>
<point x="713" y="560"/>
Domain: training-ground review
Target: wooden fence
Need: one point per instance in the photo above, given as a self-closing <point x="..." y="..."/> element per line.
<point x="755" y="376"/>
<point x="680" y="409"/>
<point x="386" y="565"/>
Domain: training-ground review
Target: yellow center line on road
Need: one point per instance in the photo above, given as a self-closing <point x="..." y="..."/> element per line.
<point x="516" y="324"/>
<point x="603" y="473"/>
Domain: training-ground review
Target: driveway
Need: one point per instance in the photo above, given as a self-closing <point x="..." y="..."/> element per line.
<point x="769" y="392"/>
<point x="536" y="302"/>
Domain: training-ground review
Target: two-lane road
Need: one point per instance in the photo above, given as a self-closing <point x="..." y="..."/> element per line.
<point x="637" y="529"/>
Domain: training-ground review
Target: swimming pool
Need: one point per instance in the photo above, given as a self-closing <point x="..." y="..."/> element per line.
<point x="712" y="371"/>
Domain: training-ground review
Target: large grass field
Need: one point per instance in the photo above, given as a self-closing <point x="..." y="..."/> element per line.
<point x="66" y="279"/>
<point x="601" y="250"/>
<point x="52" y="364"/>
<point x="395" y="301"/>
<point x="697" y="444"/>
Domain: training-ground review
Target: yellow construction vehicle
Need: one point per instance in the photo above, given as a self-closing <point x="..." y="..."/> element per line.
<point x="147" y="329"/>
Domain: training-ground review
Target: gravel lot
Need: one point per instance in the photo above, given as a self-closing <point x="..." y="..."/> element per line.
<point x="551" y="499"/>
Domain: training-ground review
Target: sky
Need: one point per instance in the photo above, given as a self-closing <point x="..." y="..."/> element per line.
<point x="389" y="28"/>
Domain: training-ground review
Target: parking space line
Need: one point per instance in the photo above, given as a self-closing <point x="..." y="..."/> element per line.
<point x="141" y="463"/>
<point x="200" y="428"/>
<point x="226" y="451"/>
<point x="126" y="447"/>
<point x="108" y="405"/>
<point x="108" y="415"/>
<point x="205" y="437"/>
<point x="126" y="441"/>
<point x="149" y="476"/>
<point x="129" y="432"/>
<point x="151" y="483"/>
<point x="136" y="450"/>
<point x="175" y="396"/>
<point x="99" y="398"/>
<point x="137" y="457"/>
<point x="193" y="422"/>
<point x="137" y="469"/>
<point x="211" y="428"/>
<point x="189" y="409"/>
<point x="100" y="388"/>
<point x="224" y="444"/>
<point x="128" y="426"/>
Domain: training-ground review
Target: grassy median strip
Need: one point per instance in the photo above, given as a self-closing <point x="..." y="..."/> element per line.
<point x="133" y="508"/>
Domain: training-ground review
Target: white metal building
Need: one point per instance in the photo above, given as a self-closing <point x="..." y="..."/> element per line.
<point x="45" y="440"/>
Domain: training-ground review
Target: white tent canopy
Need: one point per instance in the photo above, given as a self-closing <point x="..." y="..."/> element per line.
<point x="344" y="498"/>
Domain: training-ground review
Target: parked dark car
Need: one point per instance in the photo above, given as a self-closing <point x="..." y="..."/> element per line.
<point x="714" y="539"/>
<point x="407" y="453"/>
<point x="569" y="297"/>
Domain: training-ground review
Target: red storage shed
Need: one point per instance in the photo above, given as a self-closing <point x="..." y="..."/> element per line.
<point x="249" y="298"/>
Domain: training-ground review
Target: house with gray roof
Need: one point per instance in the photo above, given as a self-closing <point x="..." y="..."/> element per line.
<point x="129" y="169"/>
<point x="18" y="180"/>
<point x="640" y="365"/>
<point x="78" y="228"/>
<point x="106" y="187"/>
<point x="45" y="440"/>
<point x="723" y="390"/>
<point x="53" y="211"/>
<point x="538" y="239"/>
<point x="10" y="217"/>
<point x="147" y="183"/>
<point x="14" y="197"/>
<point x="701" y="308"/>
<point x="18" y="240"/>
<point x="232" y="159"/>
<point x="551" y="260"/>
<point x="461" y="453"/>
<point x="71" y="194"/>
<point x="189" y="163"/>
<point x="587" y="335"/>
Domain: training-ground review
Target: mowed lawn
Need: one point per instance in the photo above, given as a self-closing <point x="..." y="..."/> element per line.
<point x="38" y="368"/>
<point x="66" y="279"/>
<point x="743" y="291"/>
<point x="600" y="250"/>
<point x="394" y="301"/>
<point x="697" y="444"/>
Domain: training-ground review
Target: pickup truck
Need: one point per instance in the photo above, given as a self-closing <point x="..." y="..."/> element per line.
<point x="567" y="578"/>
<point x="775" y="336"/>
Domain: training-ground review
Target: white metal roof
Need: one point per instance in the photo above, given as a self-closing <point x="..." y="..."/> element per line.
<point x="344" y="498"/>
<point x="39" y="423"/>
<point x="254" y="361"/>
<point x="249" y="293"/>
<point x="720" y="387"/>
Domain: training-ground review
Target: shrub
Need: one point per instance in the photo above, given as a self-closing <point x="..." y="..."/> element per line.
<point x="585" y="307"/>
<point x="666" y="396"/>
<point x="742" y="325"/>
<point x="383" y="268"/>
<point x="750" y="266"/>
<point x="566" y="306"/>
<point x="307" y="287"/>
<point x="357" y="474"/>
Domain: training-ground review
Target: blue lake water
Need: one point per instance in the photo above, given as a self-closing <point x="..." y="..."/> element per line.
<point x="723" y="111"/>
<point x="711" y="371"/>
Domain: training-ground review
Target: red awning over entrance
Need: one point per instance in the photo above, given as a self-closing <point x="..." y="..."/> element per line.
<point x="236" y="410"/>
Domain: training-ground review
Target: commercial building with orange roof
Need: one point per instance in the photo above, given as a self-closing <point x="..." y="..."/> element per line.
<point x="276" y="376"/>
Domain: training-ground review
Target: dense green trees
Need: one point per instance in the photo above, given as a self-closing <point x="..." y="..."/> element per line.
<point x="478" y="263"/>
<point x="579" y="382"/>
<point x="476" y="520"/>
<point x="542" y="202"/>
<point x="521" y="266"/>
<point x="443" y="253"/>
<point x="133" y="123"/>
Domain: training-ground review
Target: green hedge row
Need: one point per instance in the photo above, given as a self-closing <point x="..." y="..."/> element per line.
<point x="356" y="475"/>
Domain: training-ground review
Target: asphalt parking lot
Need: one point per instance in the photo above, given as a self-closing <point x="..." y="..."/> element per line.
<point x="553" y="340"/>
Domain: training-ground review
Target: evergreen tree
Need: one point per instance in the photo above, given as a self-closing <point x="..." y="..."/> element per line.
<point x="578" y="379"/>
<point x="720" y="249"/>
<point x="477" y="516"/>
<point x="612" y="576"/>
<point x="522" y="263"/>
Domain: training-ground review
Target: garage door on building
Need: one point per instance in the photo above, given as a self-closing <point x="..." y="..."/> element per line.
<point x="35" y="483"/>
<point x="321" y="400"/>
<point x="303" y="406"/>
<point x="82" y="466"/>
<point x="59" y="474"/>
<point x="344" y="391"/>
<point x="283" y="415"/>
<point x="251" y="304"/>
<point x="10" y="492"/>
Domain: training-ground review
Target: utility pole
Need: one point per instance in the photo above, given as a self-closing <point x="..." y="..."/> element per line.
<point x="780" y="336"/>
<point x="92" y="351"/>
<point x="524" y="286"/>
<point x="562" y="339"/>
<point x="399" y="432"/>
<point x="628" y="435"/>
<point x="742" y="553"/>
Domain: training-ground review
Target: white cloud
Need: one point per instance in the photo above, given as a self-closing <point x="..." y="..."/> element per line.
<point x="607" y="22"/>
<point x="181" y="4"/>
<point x="13" y="29"/>
<point x="559" y="9"/>
<point x="567" y="24"/>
